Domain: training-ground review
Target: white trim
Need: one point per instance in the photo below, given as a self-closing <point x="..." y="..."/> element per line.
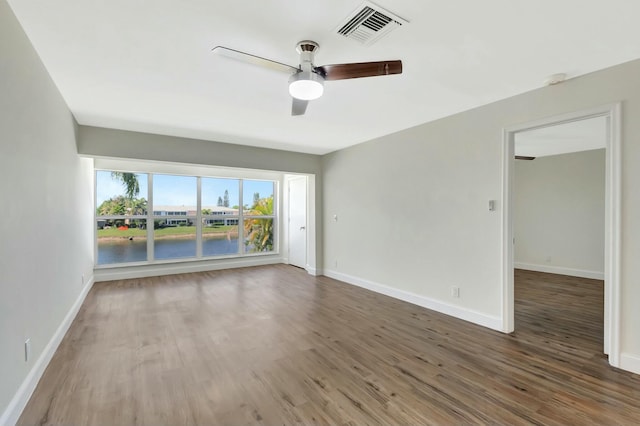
<point x="475" y="317"/>
<point x="582" y="273"/>
<point x="508" y="313"/>
<point x="312" y="262"/>
<point x="613" y="234"/>
<point x="313" y="271"/>
<point x="630" y="362"/>
<point x="198" y="217"/>
<point x="613" y="113"/>
<point x="19" y="401"/>
<point x="142" y="271"/>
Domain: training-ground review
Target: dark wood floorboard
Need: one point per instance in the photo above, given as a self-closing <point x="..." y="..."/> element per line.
<point x="272" y="345"/>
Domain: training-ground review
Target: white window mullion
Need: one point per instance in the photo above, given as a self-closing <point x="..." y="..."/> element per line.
<point x="199" y="219"/>
<point x="240" y="220"/>
<point x="95" y="218"/>
<point x="150" y="222"/>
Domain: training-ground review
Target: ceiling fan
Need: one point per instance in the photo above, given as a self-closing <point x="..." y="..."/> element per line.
<point x="307" y="80"/>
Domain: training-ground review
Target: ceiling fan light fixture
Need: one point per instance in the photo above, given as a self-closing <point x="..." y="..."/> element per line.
<point x="306" y="85"/>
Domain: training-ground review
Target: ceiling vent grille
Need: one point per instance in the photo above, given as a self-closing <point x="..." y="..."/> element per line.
<point x="369" y="23"/>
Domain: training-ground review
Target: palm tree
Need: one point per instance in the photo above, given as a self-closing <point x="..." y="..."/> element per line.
<point x="137" y="206"/>
<point x="259" y="231"/>
<point x="129" y="181"/>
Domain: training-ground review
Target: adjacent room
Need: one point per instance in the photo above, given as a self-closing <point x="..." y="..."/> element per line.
<point x="339" y="212"/>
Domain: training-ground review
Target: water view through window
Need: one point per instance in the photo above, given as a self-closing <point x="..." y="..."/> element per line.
<point x="220" y="215"/>
<point x="174" y="224"/>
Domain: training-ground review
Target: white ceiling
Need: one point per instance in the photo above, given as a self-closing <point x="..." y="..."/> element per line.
<point x="147" y="65"/>
<point x="576" y="136"/>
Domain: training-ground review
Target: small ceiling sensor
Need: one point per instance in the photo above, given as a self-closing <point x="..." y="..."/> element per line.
<point x="555" y="79"/>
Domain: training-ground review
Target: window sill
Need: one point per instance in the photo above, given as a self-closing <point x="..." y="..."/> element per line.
<point x="179" y="266"/>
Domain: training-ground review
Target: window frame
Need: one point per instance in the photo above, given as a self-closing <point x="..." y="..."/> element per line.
<point x="197" y="219"/>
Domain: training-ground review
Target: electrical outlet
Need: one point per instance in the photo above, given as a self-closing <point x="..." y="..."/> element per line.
<point x="27" y="350"/>
<point x="455" y="292"/>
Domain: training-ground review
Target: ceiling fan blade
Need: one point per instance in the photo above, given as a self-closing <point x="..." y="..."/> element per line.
<point x="358" y="70"/>
<point x="298" y="106"/>
<point x="253" y="59"/>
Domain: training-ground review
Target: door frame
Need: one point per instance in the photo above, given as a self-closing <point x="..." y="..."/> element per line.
<point x="612" y="112"/>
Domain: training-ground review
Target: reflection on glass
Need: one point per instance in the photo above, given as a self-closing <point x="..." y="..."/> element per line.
<point x="121" y="241"/>
<point x="258" y="235"/>
<point x="121" y="193"/>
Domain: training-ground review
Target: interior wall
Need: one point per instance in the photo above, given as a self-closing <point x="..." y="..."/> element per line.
<point x="412" y="206"/>
<point x="558" y="208"/>
<point x="46" y="232"/>
<point x="101" y="142"/>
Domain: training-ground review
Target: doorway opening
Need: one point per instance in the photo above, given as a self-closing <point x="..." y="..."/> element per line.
<point x="609" y="115"/>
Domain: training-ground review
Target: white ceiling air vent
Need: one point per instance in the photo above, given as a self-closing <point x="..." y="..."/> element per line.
<point x="369" y="23"/>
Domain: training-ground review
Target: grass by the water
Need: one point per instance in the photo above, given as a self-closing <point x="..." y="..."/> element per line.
<point x="169" y="231"/>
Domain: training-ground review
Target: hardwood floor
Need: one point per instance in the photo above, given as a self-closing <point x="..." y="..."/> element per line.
<point x="273" y="345"/>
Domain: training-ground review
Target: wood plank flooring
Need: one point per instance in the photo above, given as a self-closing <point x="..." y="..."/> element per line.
<point x="273" y="345"/>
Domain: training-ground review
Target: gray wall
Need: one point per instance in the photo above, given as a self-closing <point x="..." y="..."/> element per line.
<point x="46" y="192"/>
<point x="101" y="142"/>
<point x="558" y="208"/>
<point x="412" y="206"/>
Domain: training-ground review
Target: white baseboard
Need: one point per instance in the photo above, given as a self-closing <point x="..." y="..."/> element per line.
<point x="595" y="275"/>
<point x="142" y="271"/>
<point x="630" y="362"/>
<point x="20" y="399"/>
<point x="313" y="271"/>
<point x="475" y="317"/>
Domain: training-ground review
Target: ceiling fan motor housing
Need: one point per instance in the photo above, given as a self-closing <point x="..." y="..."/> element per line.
<point x="307" y="50"/>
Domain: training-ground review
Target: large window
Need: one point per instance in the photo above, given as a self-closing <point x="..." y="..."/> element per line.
<point x="175" y="210"/>
<point x="160" y="217"/>
<point x="220" y="216"/>
<point x="121" y="211"/>
<point x="259" y="216"/>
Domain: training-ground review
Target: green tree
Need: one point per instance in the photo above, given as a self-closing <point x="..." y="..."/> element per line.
<point x="256" y="198"/>
<point x="206" y="211"/>
<point x="259" y="231"/>
<point x="113" y="206"/>
<point x="226" y="198"/>
<point x="129" y="181"/>
<point x="121" y="205"/>
<point x="136" y="206"/>
<point x="220" y="202"/>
